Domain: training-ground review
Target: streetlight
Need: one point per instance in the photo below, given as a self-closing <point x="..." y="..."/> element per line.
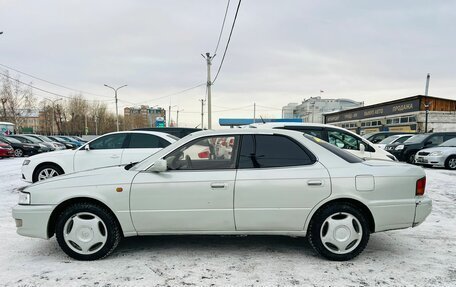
<point x="53" y="112"/>
<point x="117" y="109"/>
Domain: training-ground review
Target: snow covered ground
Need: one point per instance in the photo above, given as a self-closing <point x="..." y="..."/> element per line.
<point x="422" y="256"/>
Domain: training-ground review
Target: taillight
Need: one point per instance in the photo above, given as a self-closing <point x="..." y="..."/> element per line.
<point x="420" y="186"/>
<point x="203" y="154"/>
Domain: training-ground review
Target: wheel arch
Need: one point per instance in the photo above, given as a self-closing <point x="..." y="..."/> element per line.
<point x="34" y="174"/>
<point x="64" y="204"/>
<point x="357" y="203"/>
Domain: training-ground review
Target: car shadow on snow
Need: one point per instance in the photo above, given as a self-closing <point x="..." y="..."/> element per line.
<point x="222" y="244"/>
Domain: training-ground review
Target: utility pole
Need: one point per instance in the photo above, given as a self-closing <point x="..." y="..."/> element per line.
<point x="202" y="113"/>
<point x="427" y="104"/>
<point x="169" y="114"/>
<point x="177" y="116"/>
<point x="209" y="84"/>
<point x="117" y="109"/>
<point x="254" y="112"/>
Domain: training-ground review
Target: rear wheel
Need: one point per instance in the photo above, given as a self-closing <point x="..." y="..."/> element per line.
<point x="450" y="163"/>
<point x="87" y="231"/>
<point x="339" y="232"/>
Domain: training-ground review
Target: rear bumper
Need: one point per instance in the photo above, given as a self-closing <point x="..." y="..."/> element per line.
<point x="32" y="220"/>
<point x="422" y="210"/>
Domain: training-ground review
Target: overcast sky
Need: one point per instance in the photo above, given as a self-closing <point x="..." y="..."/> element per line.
<point x="280" y="51"/>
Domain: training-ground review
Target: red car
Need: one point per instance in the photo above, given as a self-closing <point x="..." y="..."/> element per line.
<point x="6" y="150"/>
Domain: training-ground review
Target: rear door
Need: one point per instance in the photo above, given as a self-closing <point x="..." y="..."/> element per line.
<point x="141" y="145"/>
<point x="278" y="182"/>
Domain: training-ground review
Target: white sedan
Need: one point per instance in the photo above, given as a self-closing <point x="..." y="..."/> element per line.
<point x="307" y="187"/>
<point x="107" y="150"/>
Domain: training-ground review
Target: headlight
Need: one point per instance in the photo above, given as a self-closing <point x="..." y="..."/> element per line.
<point x="42" y="145"/>
<point x="399" y="147"/>
<point x="435" y="153"/>
<point x="24" y="198"/>
<point x="26" y="162"/>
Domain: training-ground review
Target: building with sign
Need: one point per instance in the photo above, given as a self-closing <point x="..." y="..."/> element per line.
<point x="144" y="117"/>
<point x="311" y="110"/>
<point x="407" y="115"/>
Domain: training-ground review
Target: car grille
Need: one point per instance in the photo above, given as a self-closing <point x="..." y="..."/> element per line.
<point x="423" y="153"/>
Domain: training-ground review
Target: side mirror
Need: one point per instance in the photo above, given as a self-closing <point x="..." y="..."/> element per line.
<point x="87" y="147"/>
<point x="159" y="166"/>
<point x="362" y="147"/>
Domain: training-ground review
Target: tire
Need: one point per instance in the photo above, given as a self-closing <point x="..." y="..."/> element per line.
<point x="51" y="170"/>
<point x="348" y="223"/>
<point x="411" y="157"/>
<point x="450" y="162"/>
<point x="87" y="231"/>
<point x="18" y="152"/>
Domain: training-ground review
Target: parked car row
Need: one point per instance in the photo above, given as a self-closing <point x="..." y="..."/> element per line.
<point x="429" y="149"/>
<point x="32" y="144"/>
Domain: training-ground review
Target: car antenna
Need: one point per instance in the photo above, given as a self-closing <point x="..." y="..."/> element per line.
<point x="262" y="120"/>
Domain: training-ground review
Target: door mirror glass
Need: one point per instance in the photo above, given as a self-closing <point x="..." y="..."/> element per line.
<point x="87" y="147"/>
<point x="159" y="166"/>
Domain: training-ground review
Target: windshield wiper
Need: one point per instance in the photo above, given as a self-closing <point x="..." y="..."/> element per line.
<point x="130" y="165"/>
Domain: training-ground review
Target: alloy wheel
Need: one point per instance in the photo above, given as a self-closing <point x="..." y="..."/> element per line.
<point x="47" y="173"/>
<point x="18" y="152"/>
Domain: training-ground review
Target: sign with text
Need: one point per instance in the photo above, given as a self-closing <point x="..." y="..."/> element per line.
<point x="386" y="110"/>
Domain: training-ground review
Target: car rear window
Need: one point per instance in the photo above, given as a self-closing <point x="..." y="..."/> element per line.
<point x="348" y="157"/>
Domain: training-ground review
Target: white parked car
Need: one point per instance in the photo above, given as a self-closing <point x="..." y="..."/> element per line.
<point x="307" y="187"/>
<point x="110" y="149"/>
<point x="337" y="136"/>
<point x="394" y="139"/>
<point x="443" y="155"/>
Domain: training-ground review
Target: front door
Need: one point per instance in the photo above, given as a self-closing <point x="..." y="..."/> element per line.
<point x="194" y="194"/>
<point x="277" y="184"/>
<point x="104" y="151"/>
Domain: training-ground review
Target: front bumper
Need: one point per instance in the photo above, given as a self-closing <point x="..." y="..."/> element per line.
<point x="32" y="220"/>
<point x="422" y="210"/>
<point x="399" y="154"/>
<point x="430" y="160"/>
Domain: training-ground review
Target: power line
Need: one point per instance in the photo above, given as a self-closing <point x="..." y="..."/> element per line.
<point x="52" y="83"/>
<point x="173" y="94"/>
<point x="223" y="25"/>
<point x="36" y="88"/>
<point x="227" y="43"/>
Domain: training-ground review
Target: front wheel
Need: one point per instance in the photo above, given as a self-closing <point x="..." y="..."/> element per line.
<point x="47" y="171"/>
<point x="18" y="152"/>
<point x="87" y="231"/>
<point x="450" y="162"/>
<point x="339" y="232"/>
<point x="411" y="157"/>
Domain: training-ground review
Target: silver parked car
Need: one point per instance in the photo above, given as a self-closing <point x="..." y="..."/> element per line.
<point x="443" y="155"/>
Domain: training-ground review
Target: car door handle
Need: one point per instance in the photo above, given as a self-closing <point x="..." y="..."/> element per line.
<point x="218" y="185"/>
<point x="114" y="156"/>
<point x="314" y="182"/>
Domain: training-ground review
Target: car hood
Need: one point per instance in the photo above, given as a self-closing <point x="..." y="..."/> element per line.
<point x="439" y="148"/>
<point x="53" y="154"/>
<point x="92" y="177"/>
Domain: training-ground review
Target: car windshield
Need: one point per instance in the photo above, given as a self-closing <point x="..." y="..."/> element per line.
<point x="32" y="139"/>
<point x="345" y="155"/>
<point x="366" y="136"/>
<point x="417" y="139"/>
<point x="389" y="140"/>
<point x="449" y="143"/>
<point x="59" y="139"/>
<point x="44" y="138"/>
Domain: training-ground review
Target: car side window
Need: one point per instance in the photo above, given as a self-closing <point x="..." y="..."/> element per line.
<point x="266" y="151"/>
<point x="140" y="140"/>
<point x="114" y="141"/>
<point x="210" y="153"/>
